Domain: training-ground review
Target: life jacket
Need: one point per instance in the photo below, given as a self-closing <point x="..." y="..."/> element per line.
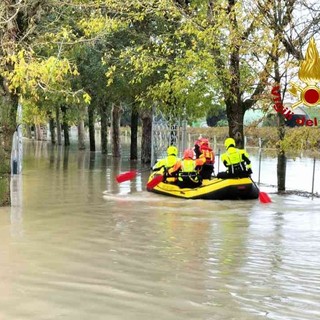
<point x="233" y="157"/>
<point x="170" y="161"/>
<point x="208" y="154"/>
<point x="188" y="165"/>
<point x="188" y="171"/>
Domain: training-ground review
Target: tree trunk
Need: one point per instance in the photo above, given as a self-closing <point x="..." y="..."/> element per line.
<point x="134" y="134"/>
<point x="52" y="130"/>
<point x="282" y="159"/>
<point x="8" y="108"/>
<point x="235" y="108"/>
<point x="235" y="115"/>
<point x="115" y="130"/>
<point x="66" y="134"/>
<point x="104" y="128"/>
<point x="92" y="140"/>
<point x="38" y="132"/>
<point x="81" y="135"/>
<point x="146" y="117"/>
<point x="27" y="131"/>
<point x="59" y="139"/>
<point x="65" y="126"/>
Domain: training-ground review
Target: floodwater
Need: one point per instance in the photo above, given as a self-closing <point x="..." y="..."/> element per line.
<point x="78" y="246"/>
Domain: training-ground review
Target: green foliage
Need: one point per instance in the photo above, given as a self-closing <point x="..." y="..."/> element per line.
<point x="34" y="77"/>
<point x="161" y="53"/>
<point x="301" y="138"/>
<point x="222" y="123"/>
<point x="164" y="64"/>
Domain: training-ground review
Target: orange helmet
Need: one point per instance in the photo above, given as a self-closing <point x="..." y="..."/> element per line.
<point x="188" y="153"/>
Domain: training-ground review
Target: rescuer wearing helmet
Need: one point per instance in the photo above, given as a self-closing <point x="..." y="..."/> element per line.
<point x="236" y="160"/>
<point x="196" y="148"/>
<point x="202" y="150"/>
<point x="187" y="169"/>
<point x="168" y="162"/>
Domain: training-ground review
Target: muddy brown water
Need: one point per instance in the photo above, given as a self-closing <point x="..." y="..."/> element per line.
<point x="78" y="246"/>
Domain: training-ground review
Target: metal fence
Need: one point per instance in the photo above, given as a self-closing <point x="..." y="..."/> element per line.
<point x="302" y="173"/>
<point x="166" y="131"/>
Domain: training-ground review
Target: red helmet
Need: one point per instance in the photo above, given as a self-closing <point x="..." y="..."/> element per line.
<point x="188" y="153"/>
<point x="204" y="141"/>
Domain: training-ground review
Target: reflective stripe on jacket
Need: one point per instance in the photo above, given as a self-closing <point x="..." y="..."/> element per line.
<point x="233" y="156"/>
<point x="236" y="159"/>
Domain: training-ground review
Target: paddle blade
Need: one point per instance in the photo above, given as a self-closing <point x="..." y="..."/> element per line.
<point x="129" y="175"/>
<point x="264" y="197"/>
<point x="154" y="182"/>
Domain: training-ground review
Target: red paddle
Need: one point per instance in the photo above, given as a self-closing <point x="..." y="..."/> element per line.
<point x="264" y="197"/>
<point x="154" y="182"/>
<point x="129" y="175"/>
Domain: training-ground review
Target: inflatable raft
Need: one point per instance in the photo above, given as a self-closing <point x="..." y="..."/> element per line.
<point x="214" y="189"/>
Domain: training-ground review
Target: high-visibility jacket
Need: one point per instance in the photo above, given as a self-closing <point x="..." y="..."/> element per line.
<point x="164" y="165"/>
<point x="187" y="165"/>
<point x="167" y="162"/>
<point x="236" y="160"/>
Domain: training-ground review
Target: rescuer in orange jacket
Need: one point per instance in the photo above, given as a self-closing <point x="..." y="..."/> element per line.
<point x="188" y="176"/>
<point x="202" y="150"/>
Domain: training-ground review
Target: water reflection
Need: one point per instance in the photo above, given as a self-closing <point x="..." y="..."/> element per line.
<point x="16" y="206"/>
<point x="77" y="245"/>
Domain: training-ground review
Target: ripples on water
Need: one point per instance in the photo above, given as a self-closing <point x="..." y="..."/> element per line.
<point x="79" y="246"/>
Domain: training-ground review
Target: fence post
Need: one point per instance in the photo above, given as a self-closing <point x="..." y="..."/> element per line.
<point x="313" y="174"/>
<point x="259" y="170"/>
<point x="260" y="152"/>
<point x="184" y="129"/>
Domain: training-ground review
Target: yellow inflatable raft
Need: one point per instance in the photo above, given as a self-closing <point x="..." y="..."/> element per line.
<point x="214" y="189"/>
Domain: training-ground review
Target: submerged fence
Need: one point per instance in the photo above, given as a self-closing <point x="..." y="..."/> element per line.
<point x="302" y="173"/>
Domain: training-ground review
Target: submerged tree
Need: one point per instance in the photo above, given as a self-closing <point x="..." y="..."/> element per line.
<point x="23" y="73"/>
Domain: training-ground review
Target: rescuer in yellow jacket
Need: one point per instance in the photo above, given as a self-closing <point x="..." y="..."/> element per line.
<point x="163" y="165"/>
<point x="187" y="169"/>
<point x="236" y="160"/>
